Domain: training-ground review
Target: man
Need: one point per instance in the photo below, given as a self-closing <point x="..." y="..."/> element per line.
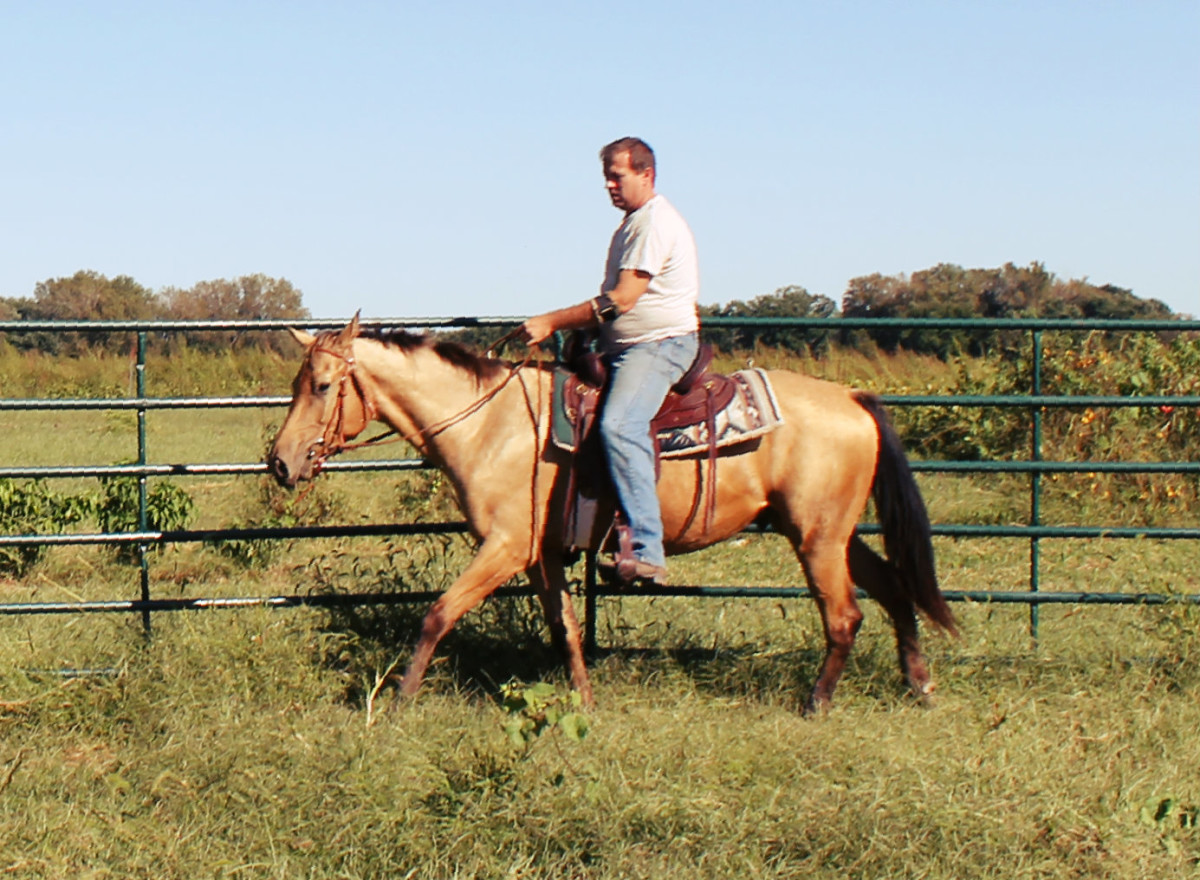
<point x="646" y="312"/>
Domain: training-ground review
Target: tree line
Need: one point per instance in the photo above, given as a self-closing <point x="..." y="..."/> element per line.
<point x="944" y="291"/>
<point x="91" y="296"/>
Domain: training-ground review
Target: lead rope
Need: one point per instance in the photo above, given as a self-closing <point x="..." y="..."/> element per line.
<point x="540" y="440"/>
<point x="535" y="415"/>
<point x="496" y="347"/>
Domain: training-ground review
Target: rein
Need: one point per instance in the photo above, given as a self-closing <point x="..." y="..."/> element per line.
<point x="333" y="438"/>
<point x="498" y="346"/>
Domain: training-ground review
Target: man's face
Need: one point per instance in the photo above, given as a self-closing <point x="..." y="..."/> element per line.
<point x="628" y="189"/>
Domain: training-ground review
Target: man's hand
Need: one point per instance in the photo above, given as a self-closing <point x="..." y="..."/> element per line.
<point x="537" y="328"/>
<point x="631" y="284"/>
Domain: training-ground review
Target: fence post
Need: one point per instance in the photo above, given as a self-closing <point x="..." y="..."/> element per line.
<point x="589" y="604"/>
<point x="143" y="517"/>
<point x="1035" y="487"/>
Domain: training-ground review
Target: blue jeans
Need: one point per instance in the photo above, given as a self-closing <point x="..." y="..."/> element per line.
<point x="640" y="377"/>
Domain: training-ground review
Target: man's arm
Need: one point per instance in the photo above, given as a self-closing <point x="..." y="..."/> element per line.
<point x="631" y="284"/>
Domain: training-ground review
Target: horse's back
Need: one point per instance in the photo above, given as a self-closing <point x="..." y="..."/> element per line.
<point x="823" y="416"/>
<point x="822" y="459"/>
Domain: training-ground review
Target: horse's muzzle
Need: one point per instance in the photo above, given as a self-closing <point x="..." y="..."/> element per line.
<point x="284" y="475"/>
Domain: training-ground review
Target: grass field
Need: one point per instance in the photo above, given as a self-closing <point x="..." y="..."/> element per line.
<point x="251" y="743"/>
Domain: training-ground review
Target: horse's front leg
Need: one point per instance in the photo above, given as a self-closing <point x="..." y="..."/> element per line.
<point x="496" y="562"/>
<point x="551" y="582"/>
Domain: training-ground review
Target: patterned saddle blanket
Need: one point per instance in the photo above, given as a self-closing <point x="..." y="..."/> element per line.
<point x="704" y="413"/>
<point x="720" y="410"/>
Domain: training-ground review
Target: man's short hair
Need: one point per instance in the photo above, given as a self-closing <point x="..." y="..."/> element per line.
<point x="641" y="156"/>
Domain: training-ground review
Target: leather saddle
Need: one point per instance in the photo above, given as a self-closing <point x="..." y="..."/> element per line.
<point x="695" y="399"/>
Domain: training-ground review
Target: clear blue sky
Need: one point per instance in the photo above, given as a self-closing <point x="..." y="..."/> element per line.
<point x="429" y="159"/>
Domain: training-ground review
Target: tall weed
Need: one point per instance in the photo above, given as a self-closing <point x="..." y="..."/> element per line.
<point x="272" y="508"/>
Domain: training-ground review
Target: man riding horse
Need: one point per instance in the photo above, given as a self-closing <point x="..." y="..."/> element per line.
<point x="485" y="423"/>
<point x="646" y="314"/>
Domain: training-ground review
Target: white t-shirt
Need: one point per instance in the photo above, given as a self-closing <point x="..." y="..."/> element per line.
<point x="654" y="239"/>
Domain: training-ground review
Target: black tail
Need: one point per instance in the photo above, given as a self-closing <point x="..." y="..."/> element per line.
<point x="907" y="537"/>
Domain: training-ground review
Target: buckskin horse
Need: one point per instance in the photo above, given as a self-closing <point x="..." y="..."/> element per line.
<point x="484" y="422"/>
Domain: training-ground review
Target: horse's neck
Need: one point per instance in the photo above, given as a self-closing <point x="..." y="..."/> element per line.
<point x="442" y="408"/>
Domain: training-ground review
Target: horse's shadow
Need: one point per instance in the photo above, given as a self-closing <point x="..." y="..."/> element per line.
<point x="751" y="674"/>
<point x="506" y="640"/>
<point x="501" y="641"/>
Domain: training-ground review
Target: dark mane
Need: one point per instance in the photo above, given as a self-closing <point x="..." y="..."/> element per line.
<point x="453" y="353"/>
<point x="402" y="339"/>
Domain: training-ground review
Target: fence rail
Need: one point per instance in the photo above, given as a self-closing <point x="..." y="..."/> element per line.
<point x="144" y="538"/>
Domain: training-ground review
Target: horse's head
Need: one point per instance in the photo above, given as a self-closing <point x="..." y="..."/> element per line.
<point x="328" y="407"/>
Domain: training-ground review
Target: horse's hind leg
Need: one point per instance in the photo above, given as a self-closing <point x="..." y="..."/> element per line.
<point x="871" y="572"/>
<point x="829" y="579"/>
<point x="551" y="583"/>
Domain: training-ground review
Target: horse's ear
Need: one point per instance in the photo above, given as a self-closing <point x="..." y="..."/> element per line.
<point x="350" y="331"/>
<point x="300" y="336"/>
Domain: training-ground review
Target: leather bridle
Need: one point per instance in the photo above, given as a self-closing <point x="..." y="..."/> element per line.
<point x="333" y="435"/>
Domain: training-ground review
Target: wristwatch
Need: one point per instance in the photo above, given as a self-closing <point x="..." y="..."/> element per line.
<point x="605" y="309"/>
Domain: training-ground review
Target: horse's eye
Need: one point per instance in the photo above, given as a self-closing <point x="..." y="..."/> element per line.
<point x="322" y="387"/>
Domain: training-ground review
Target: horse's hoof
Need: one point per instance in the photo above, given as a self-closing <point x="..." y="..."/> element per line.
<point x="923" y="693"/>
<point x="817" y="707"/>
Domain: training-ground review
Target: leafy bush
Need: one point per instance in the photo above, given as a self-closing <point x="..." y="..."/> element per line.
<point x="1094" y="365"/>
<point x="1135" y="364"/>
<point x="32" y="509"/>
<point x="532" y="710"/>
<point x="970" y="433"/>
<point x="168" y="508"/>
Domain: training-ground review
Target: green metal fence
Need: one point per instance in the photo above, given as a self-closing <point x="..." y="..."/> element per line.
<point x="1034" y="531"/>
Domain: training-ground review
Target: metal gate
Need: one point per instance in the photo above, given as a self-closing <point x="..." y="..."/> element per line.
<point x="1034" y="531"/>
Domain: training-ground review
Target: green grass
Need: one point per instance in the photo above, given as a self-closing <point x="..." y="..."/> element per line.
<point x="249" y="744"/>
<point x="237" y="745"/>
<point x="245" y="743"/>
